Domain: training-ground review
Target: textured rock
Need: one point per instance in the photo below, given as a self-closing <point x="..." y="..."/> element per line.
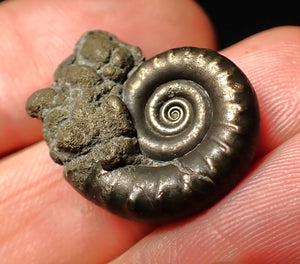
<point x="85" y="123"/>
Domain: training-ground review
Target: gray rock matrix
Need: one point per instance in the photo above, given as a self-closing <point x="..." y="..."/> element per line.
<point x="85" y="123"/>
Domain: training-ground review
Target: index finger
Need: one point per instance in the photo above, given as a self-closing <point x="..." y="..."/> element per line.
<point x="45" y="220"/>
<point x="37" y="35"/>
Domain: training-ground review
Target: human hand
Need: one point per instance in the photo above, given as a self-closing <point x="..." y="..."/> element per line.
<point x="43" y="220"/>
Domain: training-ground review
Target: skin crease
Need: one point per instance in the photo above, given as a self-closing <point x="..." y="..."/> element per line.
<point x="39" y="212"/>
<point x="44" y="221"/>
<point x="258" y="222"/>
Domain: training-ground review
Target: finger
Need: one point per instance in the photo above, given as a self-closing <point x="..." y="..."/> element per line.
<point x="43" y="220"/>
<point x="257" y="223"/>
<point x="37" y="35"/>
<point x="41" y="213"/>
<point x="271" y="60"/>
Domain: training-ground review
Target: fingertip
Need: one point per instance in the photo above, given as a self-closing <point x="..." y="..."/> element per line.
<point x="271" y="61"/>
<point x="158" y="25"/>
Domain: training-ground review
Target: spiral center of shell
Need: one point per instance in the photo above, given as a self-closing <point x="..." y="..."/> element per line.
<point x="171" y="112"/>
<point x="177" y="117"/>
<point x="174" y="113"/>
<point x="174" y="116"/>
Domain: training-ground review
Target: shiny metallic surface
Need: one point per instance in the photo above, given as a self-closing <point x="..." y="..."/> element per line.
<point x="176" y="110"/>
<point x="151" y="141"/>
<point x="207" y="146"/>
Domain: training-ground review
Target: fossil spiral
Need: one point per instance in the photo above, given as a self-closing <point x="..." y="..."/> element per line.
<point x="150" y="141"/>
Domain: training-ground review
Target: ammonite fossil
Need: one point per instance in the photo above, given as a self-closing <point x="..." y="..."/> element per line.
<point x="151" y="141"/>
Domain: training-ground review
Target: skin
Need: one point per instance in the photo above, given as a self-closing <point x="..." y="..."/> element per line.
<point x="43" y="220"/>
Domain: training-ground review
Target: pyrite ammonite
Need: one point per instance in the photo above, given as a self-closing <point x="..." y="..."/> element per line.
<point x="151" y="141"/>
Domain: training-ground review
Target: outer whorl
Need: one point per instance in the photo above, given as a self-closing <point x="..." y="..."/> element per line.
<point x="151" y="141"/>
